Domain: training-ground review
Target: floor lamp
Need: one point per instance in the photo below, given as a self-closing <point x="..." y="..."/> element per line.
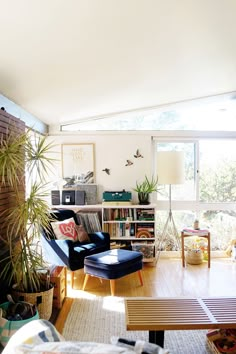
<point x="170" y="170"/>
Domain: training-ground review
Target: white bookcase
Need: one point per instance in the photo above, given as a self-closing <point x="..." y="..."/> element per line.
<point x="131" y="226"/>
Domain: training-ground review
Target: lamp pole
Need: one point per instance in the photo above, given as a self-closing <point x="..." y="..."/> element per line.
<point x="170" y="170"/>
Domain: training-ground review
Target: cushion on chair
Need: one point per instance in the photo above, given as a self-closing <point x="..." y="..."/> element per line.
<point x="82" y="234"/>
<point x="65" y="230"/>
<point x="113" y="264"/>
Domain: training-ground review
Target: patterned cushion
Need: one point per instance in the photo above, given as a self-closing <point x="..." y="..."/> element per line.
<point x="33" y="333"/>
<point x="72" y="348"/>
<point x="65" y="230"/>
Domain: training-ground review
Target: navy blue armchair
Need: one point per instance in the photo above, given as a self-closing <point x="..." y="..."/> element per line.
<point x="66" y="252"/>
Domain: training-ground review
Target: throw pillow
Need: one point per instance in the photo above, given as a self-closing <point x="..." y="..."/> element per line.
<point x="82" y="234"/>
<point x="65" y="230"/>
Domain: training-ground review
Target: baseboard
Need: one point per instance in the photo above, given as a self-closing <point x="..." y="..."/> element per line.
<point x="177" y="254"/>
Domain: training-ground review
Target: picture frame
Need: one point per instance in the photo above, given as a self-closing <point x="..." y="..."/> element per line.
<point x="78" y="165"/>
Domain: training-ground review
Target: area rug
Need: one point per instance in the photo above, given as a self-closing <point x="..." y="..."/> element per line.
<point x="99" y="318"/>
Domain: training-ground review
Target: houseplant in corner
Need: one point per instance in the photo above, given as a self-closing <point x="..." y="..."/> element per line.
<point x="144" y="189"/>
<point x="23" y="162"/>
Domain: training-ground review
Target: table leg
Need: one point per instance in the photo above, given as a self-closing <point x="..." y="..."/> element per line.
<point x="157" y="337"/>
<point x="182" y="249"/>
<point x="209" y="250"/>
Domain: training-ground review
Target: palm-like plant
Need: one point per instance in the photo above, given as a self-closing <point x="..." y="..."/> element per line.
<point x="28" y="212"/>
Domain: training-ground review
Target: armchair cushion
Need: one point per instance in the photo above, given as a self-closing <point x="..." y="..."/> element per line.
<point x="82" y="234"/>
<point x="67" y="252"/>
<point x="65" y="230"/>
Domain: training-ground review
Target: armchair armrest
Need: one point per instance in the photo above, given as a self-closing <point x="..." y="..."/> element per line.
<point x="100" y="237"/>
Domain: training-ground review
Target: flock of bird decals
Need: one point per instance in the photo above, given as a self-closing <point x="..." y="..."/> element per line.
<point x="128" y="162"/>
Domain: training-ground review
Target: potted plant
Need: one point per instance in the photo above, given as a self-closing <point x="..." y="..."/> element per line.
<point x="144" y="189"/>
<point x="24" y="162"/>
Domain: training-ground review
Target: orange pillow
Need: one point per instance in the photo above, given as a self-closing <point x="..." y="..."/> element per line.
<point x="82" y="234"/>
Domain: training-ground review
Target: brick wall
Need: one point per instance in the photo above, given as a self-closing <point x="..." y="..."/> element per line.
<point x="7" y="122"/>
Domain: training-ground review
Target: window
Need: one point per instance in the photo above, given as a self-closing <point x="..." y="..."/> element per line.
<point x="216" y="112"/>
<point x="209" y="191"/>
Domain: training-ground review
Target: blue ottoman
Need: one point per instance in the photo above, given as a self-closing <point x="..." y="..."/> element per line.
<point x="113" y="264"/>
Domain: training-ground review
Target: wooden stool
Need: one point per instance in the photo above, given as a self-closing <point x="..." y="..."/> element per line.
<point x="207" y="235"/>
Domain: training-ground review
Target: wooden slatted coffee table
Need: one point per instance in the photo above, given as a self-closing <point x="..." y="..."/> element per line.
<point x="159" y="314"/>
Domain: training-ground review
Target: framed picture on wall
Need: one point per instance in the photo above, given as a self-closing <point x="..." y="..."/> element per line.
<point x="78" y="166"/>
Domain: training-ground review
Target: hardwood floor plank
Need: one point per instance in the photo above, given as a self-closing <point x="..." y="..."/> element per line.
<point x="167" y="279"/>
<point x="63" y="314"/>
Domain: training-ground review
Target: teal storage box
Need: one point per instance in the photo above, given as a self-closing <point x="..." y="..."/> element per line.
<point x="122" y="196"/>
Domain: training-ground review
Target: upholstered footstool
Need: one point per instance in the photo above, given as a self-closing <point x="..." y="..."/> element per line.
<point x="113" y="264"/>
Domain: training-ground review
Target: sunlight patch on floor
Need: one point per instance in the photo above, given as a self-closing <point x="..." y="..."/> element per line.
<point x="79" y="294"/>
<point x="110" y="303"/>
<point x="113" y="303"/>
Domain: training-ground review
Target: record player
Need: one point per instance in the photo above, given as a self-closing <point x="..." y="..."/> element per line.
<point x="122" y="196"/>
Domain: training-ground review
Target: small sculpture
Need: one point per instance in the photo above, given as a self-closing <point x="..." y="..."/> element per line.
<point x="129" y="163"/>
<point x="107" y="170"/>
<point x="137" y="155"/>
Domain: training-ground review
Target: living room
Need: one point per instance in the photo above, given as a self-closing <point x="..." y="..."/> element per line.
<point x="128" y="80"/>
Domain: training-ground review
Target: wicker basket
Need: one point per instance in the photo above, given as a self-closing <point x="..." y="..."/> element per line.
<point x="42" y="300"/>
<point x="194" y="256"/>
<point x="213" y="347"/>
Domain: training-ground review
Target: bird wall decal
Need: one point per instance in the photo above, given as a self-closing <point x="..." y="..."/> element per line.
<point x="137" y="155"/>
<point x="129" y="163"/>
<point x="107" y="170"/>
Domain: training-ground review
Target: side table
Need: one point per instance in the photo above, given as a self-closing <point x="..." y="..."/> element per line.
<point x="200" y="233"/>
<point x="58" y="278"/>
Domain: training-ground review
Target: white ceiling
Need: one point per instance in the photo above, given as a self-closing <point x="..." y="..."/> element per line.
<point x="64" y="60"/>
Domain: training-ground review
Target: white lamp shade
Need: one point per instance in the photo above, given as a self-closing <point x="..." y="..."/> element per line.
<point x="170" y="167"/>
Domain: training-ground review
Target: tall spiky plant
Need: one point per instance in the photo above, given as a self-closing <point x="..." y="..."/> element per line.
<point x="20" y="155"/>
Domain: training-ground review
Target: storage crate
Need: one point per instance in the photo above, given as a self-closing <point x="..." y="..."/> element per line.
<point x="147" y="249"/>
<point x="59" y="279"/>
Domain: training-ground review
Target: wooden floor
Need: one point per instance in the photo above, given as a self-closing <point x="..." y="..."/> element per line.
<point x="168" y="278"/>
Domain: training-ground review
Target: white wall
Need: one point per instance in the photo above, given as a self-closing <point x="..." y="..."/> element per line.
<point x="111" y="151"/>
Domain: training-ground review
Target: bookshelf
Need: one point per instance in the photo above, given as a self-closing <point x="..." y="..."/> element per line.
<point x="132" y="227"/>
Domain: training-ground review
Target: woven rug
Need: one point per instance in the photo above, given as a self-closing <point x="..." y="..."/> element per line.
<point x="97" y="319"/>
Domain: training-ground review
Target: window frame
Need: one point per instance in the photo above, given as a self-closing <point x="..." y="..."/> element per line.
<point x="193" y="137"/>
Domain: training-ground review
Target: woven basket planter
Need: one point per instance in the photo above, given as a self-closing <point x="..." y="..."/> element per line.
<point x="42" y="300"/>
<point x="194" y="256"/>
